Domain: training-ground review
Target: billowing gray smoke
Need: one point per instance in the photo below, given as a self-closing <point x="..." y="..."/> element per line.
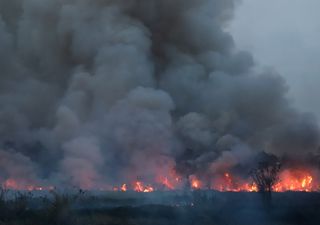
<point x="96" y="92"/>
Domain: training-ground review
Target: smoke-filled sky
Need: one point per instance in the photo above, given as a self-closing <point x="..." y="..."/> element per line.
<point x="96" y="92"/>
<point x="284" y="34"/>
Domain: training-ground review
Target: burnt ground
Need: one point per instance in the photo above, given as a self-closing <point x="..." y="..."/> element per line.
<point x="198" y="207"/>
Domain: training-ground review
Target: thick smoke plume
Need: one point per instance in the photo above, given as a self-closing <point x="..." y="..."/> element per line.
<point x="98" y="92"/>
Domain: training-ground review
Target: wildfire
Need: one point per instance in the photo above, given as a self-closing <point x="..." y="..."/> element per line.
<point x="140" y="187"/>
<point x="124" y="187"/>
<point x="170" y="183"/>
<point x="195" y="182"/>
<point x="295" y="180"/>
<point x="12" y="184"/>
<point x="228" y="183"/>
<point x="289" y="180"/>
<point x="165" y="181"/>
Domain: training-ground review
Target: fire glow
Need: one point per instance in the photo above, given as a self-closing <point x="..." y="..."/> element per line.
<point x="289" y="180"/>
<point x="228" y="183"/>
<point x="12" y="184"/>
<point x="297" y="180"/>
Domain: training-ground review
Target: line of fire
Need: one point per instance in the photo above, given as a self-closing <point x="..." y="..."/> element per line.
<point x="269" y="175"/>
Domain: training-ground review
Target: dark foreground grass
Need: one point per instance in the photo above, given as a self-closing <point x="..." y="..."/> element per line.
<point x="201" y="208"/>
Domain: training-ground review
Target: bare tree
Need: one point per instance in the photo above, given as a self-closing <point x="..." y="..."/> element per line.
<point x="266" y="174"/>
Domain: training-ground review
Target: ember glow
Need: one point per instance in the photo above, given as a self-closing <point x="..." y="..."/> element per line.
<point x="12" y="184"/>
<point x="140" y="187"/>
<point x="167" y="183"/>
<point x="229" y="183"/>
<point x="289" y="180"/>
<point x="298" y="180"/>
<point x="195" y="183"/>
<point x="124" y="187"/>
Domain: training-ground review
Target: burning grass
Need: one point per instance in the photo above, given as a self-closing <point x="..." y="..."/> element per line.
<point x="293" y="179"/>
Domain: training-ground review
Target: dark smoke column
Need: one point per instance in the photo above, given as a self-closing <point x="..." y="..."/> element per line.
<point x="95" y="93"/>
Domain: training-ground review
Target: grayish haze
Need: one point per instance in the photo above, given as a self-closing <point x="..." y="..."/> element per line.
<point x="284" y="34"/>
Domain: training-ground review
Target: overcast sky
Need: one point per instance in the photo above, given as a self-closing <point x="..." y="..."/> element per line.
<point x="284" y="34"/>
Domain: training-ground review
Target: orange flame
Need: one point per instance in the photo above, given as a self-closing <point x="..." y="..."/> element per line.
<point x="295" y="180"/>
<point x="228" y="183"/>
<point x="289" y="180"/>
<point x="140" y="187"/>
<point x="124" y="188"/>
<point x="12" y="184"/>
<point x="167" y="183"/>
<point x="195" y="182"/>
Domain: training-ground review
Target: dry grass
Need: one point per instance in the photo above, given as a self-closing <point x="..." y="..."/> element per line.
<point x="198" y="208"/>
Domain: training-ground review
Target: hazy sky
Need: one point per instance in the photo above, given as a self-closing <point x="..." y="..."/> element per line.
<point x="284" y="34"/>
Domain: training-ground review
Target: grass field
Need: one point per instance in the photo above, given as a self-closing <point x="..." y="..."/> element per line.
<point x="159" y="208"/>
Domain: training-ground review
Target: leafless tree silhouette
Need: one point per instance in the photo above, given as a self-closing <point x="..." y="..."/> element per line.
<point x="266" y="174"/>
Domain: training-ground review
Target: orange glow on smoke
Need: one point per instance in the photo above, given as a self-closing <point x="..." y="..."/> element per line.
<point x="289" y="180"/>
<point x="140" y="187"/>
<point x="295" y="180"/>
<point x="12" y="184"/>
<point x="124" y="188"/>
<point x="195" y="182"/>
<point x="165" y="181"/>
<point x="171" y="182"/>
<point x="229" y="183"/>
